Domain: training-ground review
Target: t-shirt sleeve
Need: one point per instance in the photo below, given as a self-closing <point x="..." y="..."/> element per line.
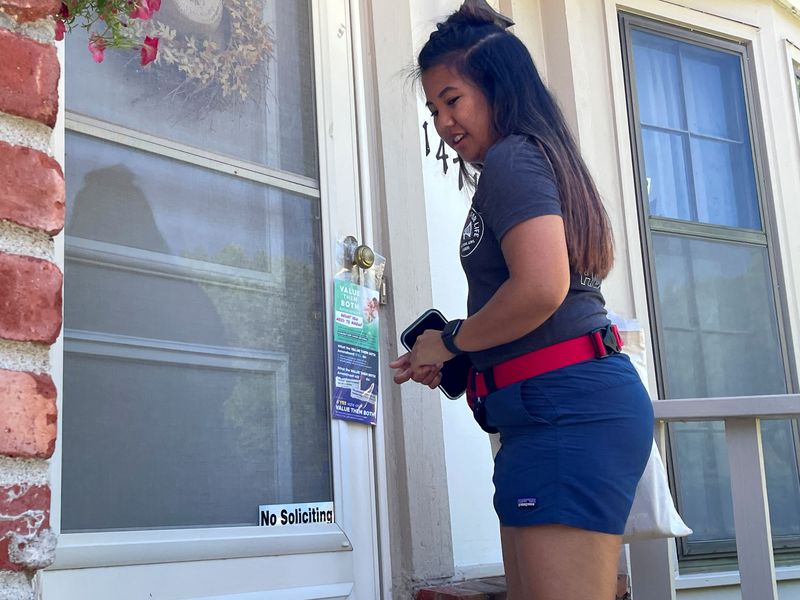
<point x="516" y="184"/>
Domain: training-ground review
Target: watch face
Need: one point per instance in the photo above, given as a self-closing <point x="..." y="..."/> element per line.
<point x="452" y="328"/>
<point x="449" y="333"/>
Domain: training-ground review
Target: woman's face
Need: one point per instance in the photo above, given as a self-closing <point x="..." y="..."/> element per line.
<point x="461" y="113"/>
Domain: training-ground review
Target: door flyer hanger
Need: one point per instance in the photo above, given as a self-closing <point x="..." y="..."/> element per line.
<point x="355" y="352"/>
<point x="356" y="334"/>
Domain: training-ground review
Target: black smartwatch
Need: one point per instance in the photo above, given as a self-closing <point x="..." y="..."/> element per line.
<point x="448" y="336"/>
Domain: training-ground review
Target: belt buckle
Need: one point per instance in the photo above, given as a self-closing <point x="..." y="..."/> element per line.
<point x="479" y="413"/>
<point x="607" y="341"/>
<point x="477" y="403"/>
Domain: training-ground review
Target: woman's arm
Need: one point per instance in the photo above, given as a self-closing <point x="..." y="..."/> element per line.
<point x="535" y="252"/>
<point x="536" y="255"/>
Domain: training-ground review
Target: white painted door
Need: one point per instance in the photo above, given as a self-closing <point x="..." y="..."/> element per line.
<point x="205" y="198"/>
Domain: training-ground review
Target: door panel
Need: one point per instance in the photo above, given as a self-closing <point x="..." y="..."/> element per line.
<point x="198" y="257"/>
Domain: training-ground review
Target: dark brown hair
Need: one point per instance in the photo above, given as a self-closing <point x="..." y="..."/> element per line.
<point x="499" y="64"/>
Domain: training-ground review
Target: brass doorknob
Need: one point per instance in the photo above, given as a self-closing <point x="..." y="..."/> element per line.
<point x="364" y="257"/>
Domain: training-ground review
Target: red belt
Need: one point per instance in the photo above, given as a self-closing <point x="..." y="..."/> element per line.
<point x="600" y="343"/>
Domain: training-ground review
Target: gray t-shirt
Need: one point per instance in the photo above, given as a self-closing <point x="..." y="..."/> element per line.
<point x="517" y="184"/>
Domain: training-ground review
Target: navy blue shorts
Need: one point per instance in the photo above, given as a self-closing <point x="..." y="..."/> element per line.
<point x="575" y="442"/>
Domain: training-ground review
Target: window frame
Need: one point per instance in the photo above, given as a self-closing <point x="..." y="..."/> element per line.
<point x="702" y="554"/>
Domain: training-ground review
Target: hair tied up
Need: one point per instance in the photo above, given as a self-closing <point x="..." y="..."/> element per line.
<point x="478" y="12"/>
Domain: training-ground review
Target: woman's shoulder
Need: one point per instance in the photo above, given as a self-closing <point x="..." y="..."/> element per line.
<point x="516" y="156"/>
<point x="511" y="151"/>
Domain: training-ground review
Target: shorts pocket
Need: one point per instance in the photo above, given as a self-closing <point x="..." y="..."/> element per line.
<point x="517" y="405"/>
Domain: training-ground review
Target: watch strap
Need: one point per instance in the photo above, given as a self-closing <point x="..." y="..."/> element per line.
<point x="448" y="336"/>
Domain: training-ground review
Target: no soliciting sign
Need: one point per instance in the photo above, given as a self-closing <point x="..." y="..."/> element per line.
<point x="277" y="515"/>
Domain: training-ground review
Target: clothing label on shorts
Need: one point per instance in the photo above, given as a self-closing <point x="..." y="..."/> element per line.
<point x="472" y="234"/>
<point x="526" y="502"/>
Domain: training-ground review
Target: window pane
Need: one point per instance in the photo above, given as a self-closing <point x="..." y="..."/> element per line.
<point x="783" y="477"/>
<point x="702" y="469"/>
<point x="265" y="116"/>
<point x="668" y="182"/>
<point x="194" y="376"/>
<point x="658" y="81"/>
<point x="717" y="312"/>
<point x="725" y="184"/>
<point x="704" y="479"/>
<point x="720" y="338"/>
<point x="714" y="93"/>
<point x="686" y="92"/>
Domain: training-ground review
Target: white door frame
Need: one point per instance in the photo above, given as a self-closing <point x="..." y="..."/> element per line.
<point x="337" y="560"/>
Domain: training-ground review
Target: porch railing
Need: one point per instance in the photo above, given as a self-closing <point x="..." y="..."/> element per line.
<point x="654" y="563"/>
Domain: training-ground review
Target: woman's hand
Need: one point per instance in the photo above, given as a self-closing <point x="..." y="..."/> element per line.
<point x="429" y="375"/>
<point x="429" y="349"/>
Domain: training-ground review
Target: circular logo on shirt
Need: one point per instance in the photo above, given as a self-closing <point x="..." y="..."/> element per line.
<point x="472" y="234"/>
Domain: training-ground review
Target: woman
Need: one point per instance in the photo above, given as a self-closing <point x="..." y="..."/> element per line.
<point x="576" y="431"/>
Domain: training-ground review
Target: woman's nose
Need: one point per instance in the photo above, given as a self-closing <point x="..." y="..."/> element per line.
<point x="444" y="123"/>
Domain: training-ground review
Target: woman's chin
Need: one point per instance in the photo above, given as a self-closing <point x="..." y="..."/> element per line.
<point x="466" y="156"/>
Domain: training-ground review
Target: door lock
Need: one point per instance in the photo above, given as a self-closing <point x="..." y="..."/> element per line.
<point x="357" y="255"/>
<point x="360" y="264"/>
<point x="364" y="257"/>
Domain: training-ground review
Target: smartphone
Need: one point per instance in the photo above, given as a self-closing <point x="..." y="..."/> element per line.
<point x="455" y="370"/>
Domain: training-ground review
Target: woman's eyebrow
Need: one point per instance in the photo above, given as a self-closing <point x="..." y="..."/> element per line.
<point x="442" y="93"/>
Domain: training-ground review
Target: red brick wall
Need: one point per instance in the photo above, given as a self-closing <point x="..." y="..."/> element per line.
<point x="31" y="204"/>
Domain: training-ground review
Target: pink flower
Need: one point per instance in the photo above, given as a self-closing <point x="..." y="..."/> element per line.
<point x="145" y="9"/>
<point x="141" y="11"/>
<point x="61" y="29"/>
<point x="149" y="50"/>
<point x="64" y="12"/>
<point x="97" y="46"/>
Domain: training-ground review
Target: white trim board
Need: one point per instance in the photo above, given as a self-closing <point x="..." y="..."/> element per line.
<point x="338" y="591"/>
<point x="728" y="578"/>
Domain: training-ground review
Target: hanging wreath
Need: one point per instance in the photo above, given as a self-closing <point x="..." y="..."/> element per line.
<point x="223" y="57"/>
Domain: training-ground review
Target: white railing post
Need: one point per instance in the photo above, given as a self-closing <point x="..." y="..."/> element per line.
<point x="653" y="567"/>
<point x="654" y="562"/>
<point x="750" y="508"/>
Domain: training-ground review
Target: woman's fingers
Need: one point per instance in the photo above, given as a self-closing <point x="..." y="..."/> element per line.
<point x="420" y="374"/>
<point x="426" y="375"/>
<point x="403" y="366"/>
<point x="432" y="374"/>
<point x="402" y="376"/>
<point x="436" y="381"/>
<point x="401" y="362"/>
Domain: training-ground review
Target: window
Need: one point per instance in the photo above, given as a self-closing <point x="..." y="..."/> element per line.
<point x="717" y="319"/>
<point x="194" y="357"/>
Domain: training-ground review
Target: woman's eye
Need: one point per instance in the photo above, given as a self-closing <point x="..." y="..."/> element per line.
<point x="452" y="101"/>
